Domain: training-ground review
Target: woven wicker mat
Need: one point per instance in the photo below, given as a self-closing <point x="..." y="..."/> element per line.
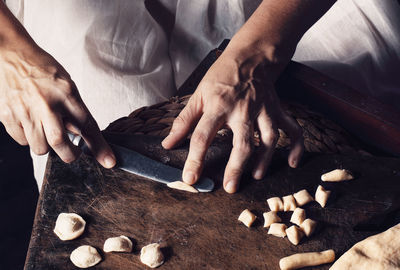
<point x="320" y="134"/>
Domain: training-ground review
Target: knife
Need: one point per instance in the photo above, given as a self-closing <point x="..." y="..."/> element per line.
<point x="133" y="162"/>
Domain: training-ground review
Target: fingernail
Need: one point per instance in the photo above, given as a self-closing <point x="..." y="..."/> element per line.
<point x="188" y="177"/>
<point x="109" y="161"/>
<point x="258" y="174"/>
<point x="230" y="187"/>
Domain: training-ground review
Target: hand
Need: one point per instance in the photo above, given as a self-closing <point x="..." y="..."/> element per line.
<point x="237" y="91"/>
<point x="39" y="103"/>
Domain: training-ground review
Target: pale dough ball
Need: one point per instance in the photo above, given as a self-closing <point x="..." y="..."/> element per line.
<point x="300" y="260"/>
<point x="118" y="244"/>
<point x="182" y="186"/>
<point x="302" y="197"/>
<point x="337" y="176"/>
<point x="294" y="234"/>
<point x="275" y="204"/>
<point x="277" y="229"/>
<point x="322" y="195"/>
<point x="298" y="216"/>
<point x="289" y="203"/>
<point x="151" y="255"/>
<point x="308" y="226"/>
<point x="247" y="217"/>
<point x="270" y="217"/>
<point x="85" y="256"/>
<point x="69" y="226"/>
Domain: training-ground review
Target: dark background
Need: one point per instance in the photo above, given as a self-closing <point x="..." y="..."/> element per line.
<point x="18" y="198"/>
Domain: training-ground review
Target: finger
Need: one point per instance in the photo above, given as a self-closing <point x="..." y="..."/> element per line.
<point x="268" y="139"/>
<point x="201" y="139"/>
<point x="241" y="151"/>
<point x="16" y="132"/>
<point x="81" y="118"/>
<point x="183" y="123"/>
<point x="295" y="133"/>
<point x="57" y="138"/>
<point x="34" y="133"/>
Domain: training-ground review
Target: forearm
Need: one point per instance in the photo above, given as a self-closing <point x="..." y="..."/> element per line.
<point x="12" y="34"/>
<point x="277" y="26"/>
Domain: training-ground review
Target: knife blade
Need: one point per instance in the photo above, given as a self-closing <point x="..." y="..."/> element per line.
<point x="133" y="162"/>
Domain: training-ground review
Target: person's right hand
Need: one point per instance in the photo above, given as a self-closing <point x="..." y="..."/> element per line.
<point x="39" y="103"/>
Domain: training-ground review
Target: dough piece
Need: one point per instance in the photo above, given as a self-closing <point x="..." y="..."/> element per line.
<point x="182" y="186"/>
<point x="322" y="195"/>
<point x="85" y="256"/>
<point x="247" y="217"/>
<point x="294" y="234"/>
<point x="377" y="252"/>
<point x="298" y="216"/>
<point x="270" y="217"/>
<point x="300" y="260"/>
<point x="302" y="197"/>
<point x="151" y="255"/>
<point x="308" y="226"/>
<point x="277" y="229"/>
<point x="289" y="203"/>
<point x="69" y="226"/>
<point x="275" y="204"/>
<point x="337" y="175"/>
<point x="118" y="244"/>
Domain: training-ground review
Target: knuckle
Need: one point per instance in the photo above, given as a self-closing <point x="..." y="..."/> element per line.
<point x="272" y="137"/>
<point x="199" y="138"/>
<point x="56" y="138"/>
<point x="235" y="172"/>
<point x="244" y="146"/>
<point x="40" y="149"/>
<point x="68" y="158"/>
<point x="193" y="164"/>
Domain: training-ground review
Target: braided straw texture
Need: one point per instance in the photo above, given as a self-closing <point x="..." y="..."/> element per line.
<point x="320" y="134"/>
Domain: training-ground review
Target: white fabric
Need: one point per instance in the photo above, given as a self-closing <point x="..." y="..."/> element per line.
<point x="121" y="60"/>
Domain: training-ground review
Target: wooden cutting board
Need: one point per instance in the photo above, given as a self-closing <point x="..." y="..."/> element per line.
<point x="200" y="231"/>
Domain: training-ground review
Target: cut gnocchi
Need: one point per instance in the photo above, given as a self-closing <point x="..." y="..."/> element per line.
<point x="275" y="204"/>
<point x="247" y="217"/>
<point x="302" y="197"/>
<point x="270" y="217"/>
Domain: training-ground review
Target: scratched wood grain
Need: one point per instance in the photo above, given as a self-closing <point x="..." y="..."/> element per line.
<point x="200" y="231"/>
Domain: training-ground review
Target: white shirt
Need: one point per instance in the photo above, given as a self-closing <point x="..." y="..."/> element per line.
<point x="120" y="58"/>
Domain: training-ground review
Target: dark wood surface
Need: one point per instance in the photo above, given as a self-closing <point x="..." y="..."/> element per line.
<point x="200" y="231"/>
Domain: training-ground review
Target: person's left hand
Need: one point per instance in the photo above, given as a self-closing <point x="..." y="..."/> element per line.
<point x="237" y="91"/>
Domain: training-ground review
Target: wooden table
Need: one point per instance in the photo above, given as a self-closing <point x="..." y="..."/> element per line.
<point x="200" y="231"/>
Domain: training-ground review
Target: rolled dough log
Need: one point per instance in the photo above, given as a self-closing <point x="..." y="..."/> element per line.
<point x="270" y="217"/>
<point x="289" y="203"/>
<point x="298" y="216"/>
<point x="118" y="244"/>
<point x="85" y="256"/>
<point x="151" y="255"/>
<point x="275" y="204"/>
<point x="301" y="260"/>
<point x="182" y="186"/>
<point x="69" y="226"/>
<point x="322" y="195"/>
<point x="302" y="197"/>
<point x="377" y="252"/>
<point x="247" y="217"/>
<point x="337" y="176"/>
